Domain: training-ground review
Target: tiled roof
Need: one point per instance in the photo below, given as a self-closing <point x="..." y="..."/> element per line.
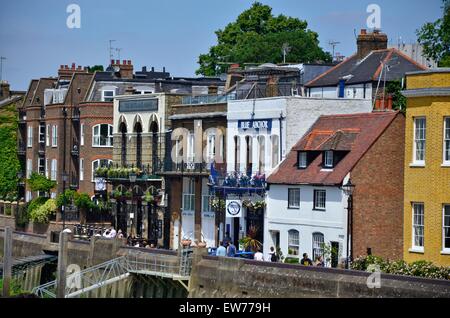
<point x="368" y="69"/>
<point x="353" y="133"/>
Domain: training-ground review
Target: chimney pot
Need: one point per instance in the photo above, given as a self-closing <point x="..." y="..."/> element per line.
<point x="164" y="69"/>
<point x="124" y="62"/>
<point x="129" y="62"/>
<point x="66" y="67"/>
<point x="61" y="67"/>
<point x="118" y="62"/>
<point x="153" y="68"/>
<point x="363" y="31"/>
<point x="79" y="67"/>
<point x="73" y="66"/>
<point x="112" y="62"/>
<point x="144" y="69"/>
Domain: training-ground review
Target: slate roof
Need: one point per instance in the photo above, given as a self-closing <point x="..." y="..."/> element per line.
<point x="368" y="69"/>
<point x="354" y="133"/>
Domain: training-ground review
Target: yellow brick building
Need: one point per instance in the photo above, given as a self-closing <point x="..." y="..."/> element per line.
<point x="427" y="167"/>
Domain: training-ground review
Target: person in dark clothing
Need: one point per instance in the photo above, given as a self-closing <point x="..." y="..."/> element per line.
<point x="227" y="239"/>
<point x="231" y="250"/>
<point x="306" y="260"/>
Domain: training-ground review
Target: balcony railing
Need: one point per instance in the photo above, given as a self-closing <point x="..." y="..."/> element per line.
<point x="237" y="182"/>
<point x="263" y="90"/>
<point x="207" y="99"/>
<point x="116" y="172"/>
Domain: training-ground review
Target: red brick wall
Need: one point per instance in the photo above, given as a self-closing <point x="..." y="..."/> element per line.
<point x="378" y="197"/>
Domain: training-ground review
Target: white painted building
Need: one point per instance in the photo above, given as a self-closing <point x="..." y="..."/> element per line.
<point x="261" y="132"/>
<point x="300" y="218"/>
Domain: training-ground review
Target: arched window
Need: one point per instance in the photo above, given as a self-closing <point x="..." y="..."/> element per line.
<point x="293" y="242"/>
<point x="123" y="131"/>
<point x="138" y="131"/>
<point x="317" y="248"/>
<point x="102" y="135"/>
<point x="99" y="163"/>
<point x="262" y="154"/>
<point x="237" y="152"/>
<point x="248" y="154"/>
<point x="275" y="150"/>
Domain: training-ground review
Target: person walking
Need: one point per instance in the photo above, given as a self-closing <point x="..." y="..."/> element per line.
<point x="306" y="260"/>
<point x="221" y="250"/>
<point x="231" y="250"/>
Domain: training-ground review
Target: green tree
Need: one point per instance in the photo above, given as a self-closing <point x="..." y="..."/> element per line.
<point x="41" y="214"/>
<point x="435" y="37"/>
<point x="257" y="36"/>
<point x="40" y="183"/>
<point x="93" y="69"/>
<point x="84" y="203"/>
<point x="398" y="99"/>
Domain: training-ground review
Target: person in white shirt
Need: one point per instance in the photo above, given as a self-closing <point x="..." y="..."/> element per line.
<point x="112" y="233"/>
<point x="258" y="256"/>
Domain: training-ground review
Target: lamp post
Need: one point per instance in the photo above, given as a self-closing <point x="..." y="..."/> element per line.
<point x="19" y="177"/>
<point x="132" y="176"/>
<point x="348" y="189"/>
<point x="65" y="177"/>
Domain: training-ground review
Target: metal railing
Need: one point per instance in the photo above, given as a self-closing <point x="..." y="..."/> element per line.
<point x="160" y="265"/>
<point x="207" y="99"/>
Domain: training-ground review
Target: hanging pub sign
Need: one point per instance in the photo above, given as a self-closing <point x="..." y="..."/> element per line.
<point x="100" y="184"/>
<point x="256" y="124"/>
<point x="234" y="208"/>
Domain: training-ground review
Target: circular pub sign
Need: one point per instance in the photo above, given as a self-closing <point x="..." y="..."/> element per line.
<point x="234" y="208"/>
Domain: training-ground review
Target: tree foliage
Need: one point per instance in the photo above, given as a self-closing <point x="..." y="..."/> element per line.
<point x="94" y="68"/>
<point x="435" y="37"/>
<point x="9" y="163"/>
<point x="40" y="183"/>
<point x="41" y="214"/>
<point x="257" y="36"/>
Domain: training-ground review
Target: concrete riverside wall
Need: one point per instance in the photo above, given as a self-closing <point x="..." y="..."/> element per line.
<point x="237" y="278"/>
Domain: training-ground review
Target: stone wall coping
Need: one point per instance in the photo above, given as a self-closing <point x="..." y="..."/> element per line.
<point x="150" y="251"/>
<point x="338" y="271"/>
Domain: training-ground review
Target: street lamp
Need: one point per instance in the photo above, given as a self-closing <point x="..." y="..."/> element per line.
<point x="65" y="177"/>
<point x="132" y="176"/>
<point x="348" y="189"/>
<point x="19" y="177"/>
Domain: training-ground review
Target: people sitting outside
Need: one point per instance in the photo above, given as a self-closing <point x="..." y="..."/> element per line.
<point x="119" y="234"/>
<point x="112" y="233"/>
<point x="306" y="260"/>
<point x="319" y="261"/>
<point x="258" y="256"/>
<point x="231" y="250"/>
<point x="221" y="250"/>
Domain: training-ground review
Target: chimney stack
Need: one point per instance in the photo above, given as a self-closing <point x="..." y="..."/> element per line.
<point x="66" y="72"/>
<point x="368" y="42"/>
<point x="4" y="90"/>
<point x="125" y="69"/>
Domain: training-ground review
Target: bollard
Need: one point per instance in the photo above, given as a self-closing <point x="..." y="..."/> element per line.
<point x="62" y="265"/>
<point x="7" y="261"/>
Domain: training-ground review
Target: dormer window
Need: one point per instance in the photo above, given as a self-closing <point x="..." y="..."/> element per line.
<point x="302" y="160"/>
<point x="108" y="95"/>
<point x="328" y="161"/>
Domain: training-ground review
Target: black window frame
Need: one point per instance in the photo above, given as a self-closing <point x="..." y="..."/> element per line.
<point x="315" y="208"/>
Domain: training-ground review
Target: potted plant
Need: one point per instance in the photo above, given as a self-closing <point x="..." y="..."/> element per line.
<point x="186" y="242"/>
<point x="250" y="243"/>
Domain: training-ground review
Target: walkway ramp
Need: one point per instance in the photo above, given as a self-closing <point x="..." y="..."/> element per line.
<point x="158" y="265"/>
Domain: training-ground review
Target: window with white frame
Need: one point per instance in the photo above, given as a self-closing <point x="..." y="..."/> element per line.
<point x="82" y="135"/>
<point x="446" y="228"/>
<point x="99" y="163"/>
<point x="328" y="159"/>
<point x="211" y="147"/>
<point x="293" y="243"/>
<point x="47" y="136"/>
<point x="189" y="194"/>
<point x="317" y="247"/>
<point x="108" y="95"/>
<point x="81" y="169"/>
<point x="102" y="135"/>
<point x="418" y="225"/>
<point x="29" y="168"/>
<point x="419" y="140"/>
<point x="54" y="170"/>
<point x="447" y="140"/>
<point x="190" y="147"/>
<point x="30" y="137"/>
<point x="302" y="160"/>
<point x="41" y="166"/>
<point x="46" y="168"/>
<point x="320" y="198"/>
<point x="294" y="198"/>
<point x="42" y="134"/>
<point x="55" y="136"/>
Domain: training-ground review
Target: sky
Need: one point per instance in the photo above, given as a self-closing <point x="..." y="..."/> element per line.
<point x="35" y="39"/>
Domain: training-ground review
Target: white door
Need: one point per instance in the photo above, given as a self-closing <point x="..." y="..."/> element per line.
<point x="176" y="235"/>
<point x="209" y="228"/>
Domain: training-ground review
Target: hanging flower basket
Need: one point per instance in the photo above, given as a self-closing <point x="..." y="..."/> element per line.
<point x="201" y="244"/>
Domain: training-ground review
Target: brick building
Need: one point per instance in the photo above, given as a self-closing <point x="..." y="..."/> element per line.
<point x="306" y="204"/>
<point x="427" y="167"/>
